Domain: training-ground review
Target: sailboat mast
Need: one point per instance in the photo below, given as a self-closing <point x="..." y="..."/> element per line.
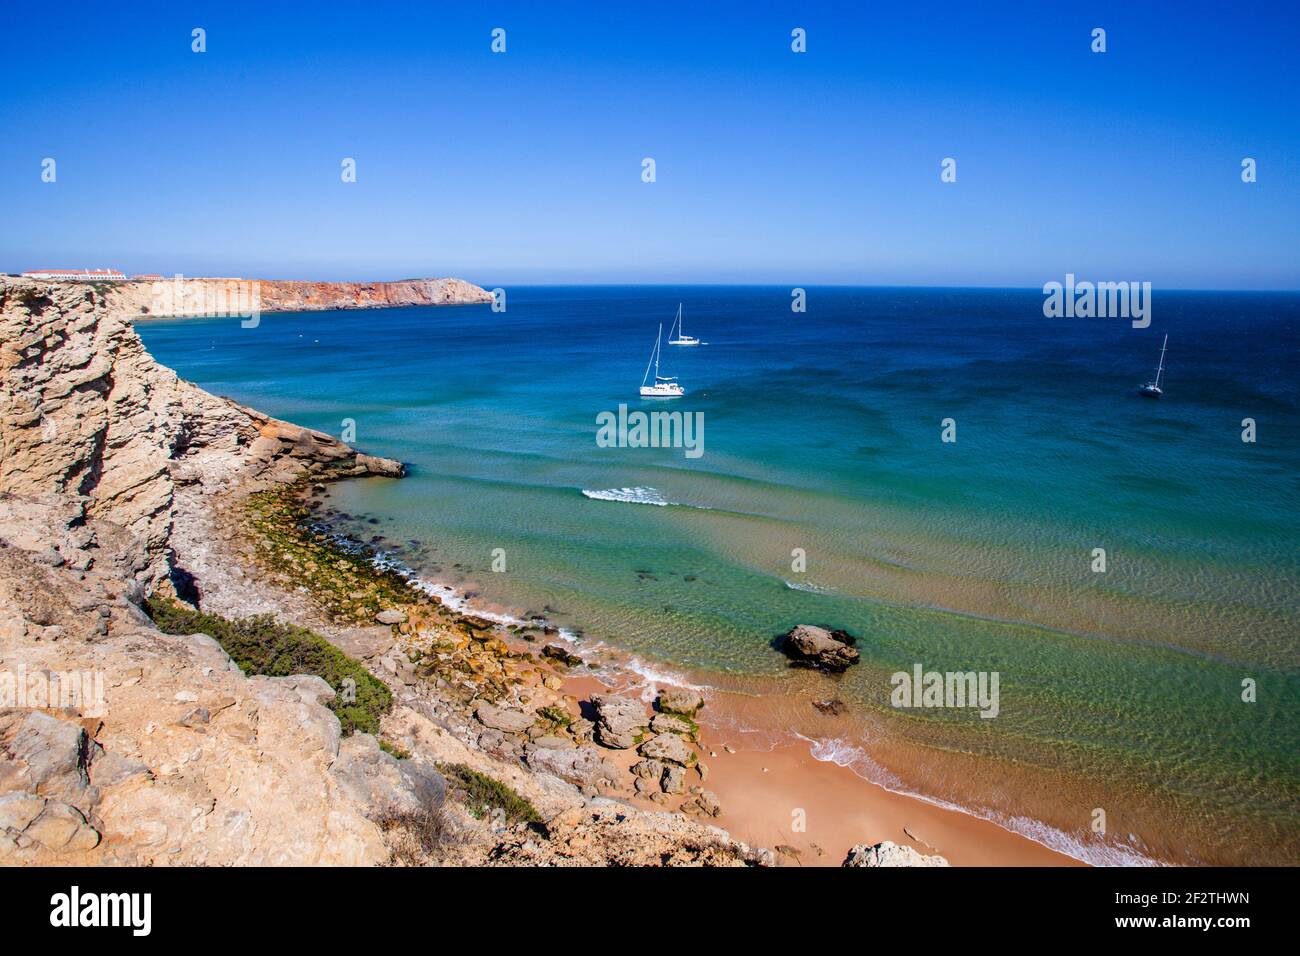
<point x="654" y="354"/>
<point x="1160" y="371"/>
<point x="657" y="341"/>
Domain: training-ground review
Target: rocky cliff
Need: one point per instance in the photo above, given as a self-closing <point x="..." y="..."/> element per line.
<point x="78" y="390"/>
<point x="122" y="744"/>
<point x="199" y="296"/>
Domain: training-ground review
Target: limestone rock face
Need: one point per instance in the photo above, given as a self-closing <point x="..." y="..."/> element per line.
<point x="816" y="647"/>
<point x="376" y="779"/>
<point x="123" y="745"/>
<point x="890" y="854"/>
<point x="86" y="413"/>
<point x="581" y="766"/>
<point x="667" y="724"/>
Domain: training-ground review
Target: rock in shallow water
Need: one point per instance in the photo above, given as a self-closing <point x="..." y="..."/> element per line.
<point x="834" y="707"/>
<point x="809" y="646"/>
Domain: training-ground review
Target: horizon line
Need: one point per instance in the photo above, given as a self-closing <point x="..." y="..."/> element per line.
<point x="706" y="285"/>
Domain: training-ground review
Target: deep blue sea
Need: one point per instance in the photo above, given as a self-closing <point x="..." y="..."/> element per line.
<point x="825" y="494"/>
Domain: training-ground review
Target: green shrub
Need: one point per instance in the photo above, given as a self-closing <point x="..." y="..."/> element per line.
<point x="263" y="645"/>
<point x="482" y="793"/>
<point x="394" y="751"/>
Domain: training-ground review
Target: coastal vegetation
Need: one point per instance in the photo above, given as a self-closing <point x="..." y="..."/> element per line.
<point x="482" y="794"/>
<point x="265" y="646"/>
<point x="393" y="750"/>
<point x="416" y="837"/>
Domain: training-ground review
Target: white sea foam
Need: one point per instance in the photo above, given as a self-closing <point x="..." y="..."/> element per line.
<point x="454" y="600"/>
<point x="844" y="753"/>
<point x="652" y="676"/>
<point x="655" y="678"/>
<point x="636" y="496"/>
<point x="810" y="588"/>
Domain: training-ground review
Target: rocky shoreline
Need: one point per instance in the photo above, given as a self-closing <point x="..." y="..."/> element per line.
<point x="126" y="492"/>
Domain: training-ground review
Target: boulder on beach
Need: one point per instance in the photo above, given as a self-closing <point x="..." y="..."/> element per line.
<point x="649" y="769"/>
<point x="809" y="646"/>
<point x="702" y="803"/>
<point x="679" y="700"/>
<point x="620" y="721"/>
<point x="669" y="724"/>
<point x="667" y="747"/>
<point x="890" y="854"/>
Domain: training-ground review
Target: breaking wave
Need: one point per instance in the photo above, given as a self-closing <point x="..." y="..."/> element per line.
<point x="636" y="496"/>
<point x="810" y="588"/>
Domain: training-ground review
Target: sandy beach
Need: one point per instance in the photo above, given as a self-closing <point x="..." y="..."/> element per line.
<point x="814" y="810"/>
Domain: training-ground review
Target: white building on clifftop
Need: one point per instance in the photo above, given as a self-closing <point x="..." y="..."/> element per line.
<point x="76" y="275"/>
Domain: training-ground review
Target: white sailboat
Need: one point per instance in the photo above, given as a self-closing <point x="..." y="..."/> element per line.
<point x="682" y="338"/>
<point x="1152" y="389"/>
<point x="663" y="386"/>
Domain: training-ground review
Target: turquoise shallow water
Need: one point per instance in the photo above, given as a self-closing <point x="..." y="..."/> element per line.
<point x="822" y="433"/>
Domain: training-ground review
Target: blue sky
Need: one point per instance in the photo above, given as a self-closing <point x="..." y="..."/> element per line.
<point x="772" y="166"/>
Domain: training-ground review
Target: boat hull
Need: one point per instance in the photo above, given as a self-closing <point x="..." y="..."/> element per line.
<point x="651" y="392"/>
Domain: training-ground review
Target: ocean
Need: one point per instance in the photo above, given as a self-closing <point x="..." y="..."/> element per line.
<point x="825" y="493"/>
